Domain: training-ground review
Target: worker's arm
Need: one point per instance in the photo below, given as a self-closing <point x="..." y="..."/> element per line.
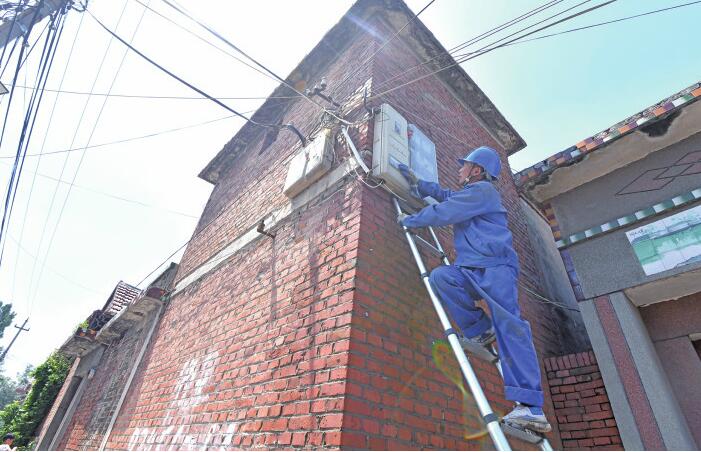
<point x="433" y="190"/>
<point x="456" y="208"/>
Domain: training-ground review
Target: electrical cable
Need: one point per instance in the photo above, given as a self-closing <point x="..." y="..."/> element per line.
<point x="209" y="43"/>
<point x="11" y="182"/>
<point x="476" y="39"/>
<point x="487" y="48"/>
<point x="213" y="32"/>
<point x="52" y="270"/>
<point x="113" y="196"/>
<point x="33" y="110"/>
<point x="9" y="33"/>
<point x="126" y="140"/>
<point x="63" y="168"/>
<point x="194" y="88"/>
<point x="144" y="96"/>
<point x="359" y="67"/>
<point x="599" y="24"/>
<point x="484" y="49"/>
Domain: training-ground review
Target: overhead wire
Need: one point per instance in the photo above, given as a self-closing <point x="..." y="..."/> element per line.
<point x="11" y="184"/>
<point x="193" y="87"/>
<point x="51" y="269"/>
<point x="353" y="72"/>
<point x="63" y="168"/>
<point x="476" y="39"/>
<point x="173" y="4"/>
<point x="43" y="144"/>
<point x="599" y="24"/>
<point x="491" y="47"/>
<point x="146" y="96"/>
<point x="12" y="27"/>
<point x="113" y="196"/>
<point x="126" y="140"/>
<point x="209" y="43"/>
<point x="27" y="131"/>
<point x="484" y="49"/>
<point x="29" y="52"/>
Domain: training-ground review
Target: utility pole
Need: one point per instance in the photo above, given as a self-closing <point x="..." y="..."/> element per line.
<point x="19" y="330"/>
<point x="10" y="29"/>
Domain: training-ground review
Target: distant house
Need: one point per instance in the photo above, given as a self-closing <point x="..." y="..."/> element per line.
<point x="624" y="207"/>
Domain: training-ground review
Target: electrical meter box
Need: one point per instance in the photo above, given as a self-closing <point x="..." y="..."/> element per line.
<point x="397" y="142"/>
<point x="309" y="164"/>
<point x="390" y="148"/>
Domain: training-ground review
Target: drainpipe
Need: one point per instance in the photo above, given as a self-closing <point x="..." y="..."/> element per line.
<point x="131" y="377"/>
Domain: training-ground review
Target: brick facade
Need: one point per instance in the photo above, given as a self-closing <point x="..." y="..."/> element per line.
<point x="582" y="408"/>
<point x="323" y="336"/>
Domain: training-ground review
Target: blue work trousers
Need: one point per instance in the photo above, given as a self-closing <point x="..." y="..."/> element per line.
<point x="459" y="288"/>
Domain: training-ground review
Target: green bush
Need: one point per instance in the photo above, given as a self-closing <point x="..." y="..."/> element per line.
<point x="23" y="418"/>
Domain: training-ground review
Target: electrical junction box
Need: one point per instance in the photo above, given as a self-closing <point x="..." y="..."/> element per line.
<point x="396" y="142"/>
<point x="309" y="164"/>
<point x="390" y="148"/>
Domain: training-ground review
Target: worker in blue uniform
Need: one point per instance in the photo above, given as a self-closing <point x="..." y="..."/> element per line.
<point x="486" y="268"/>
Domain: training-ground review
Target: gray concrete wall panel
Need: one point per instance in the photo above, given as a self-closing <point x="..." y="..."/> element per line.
<point x="668" y="415"/>
<point x="614" y="386"/>
<point x="659" y="176"/>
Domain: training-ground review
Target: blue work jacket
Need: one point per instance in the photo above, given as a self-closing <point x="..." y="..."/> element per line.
<point x="481" y="234"/>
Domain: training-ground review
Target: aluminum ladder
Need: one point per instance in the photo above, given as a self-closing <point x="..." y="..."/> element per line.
<point x="497" y="430"/>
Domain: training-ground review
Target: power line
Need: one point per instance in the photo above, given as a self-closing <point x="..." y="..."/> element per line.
<point x="145" y="96"/>
<point x="182" y="11"/>
<point x="13" y="182"/>
<point x="477" y="38"/>
<point x="487" y="48"/>
<point x="51" y="269"/>
<point x="63" y="168"/>
<point x="194" y="88"/>
<point x="358" y="68"/>
<point x="126" y="140"/>
<point x="209" y="43"/>
<point x="113" y="196"/>
<point x="43" y="143"/>
<point x="586" y="27"/>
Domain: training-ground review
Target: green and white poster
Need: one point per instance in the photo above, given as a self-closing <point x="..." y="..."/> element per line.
<point x="668" y="243"/>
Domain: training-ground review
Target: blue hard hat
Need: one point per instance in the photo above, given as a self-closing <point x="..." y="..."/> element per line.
<point x="485" y="157"/>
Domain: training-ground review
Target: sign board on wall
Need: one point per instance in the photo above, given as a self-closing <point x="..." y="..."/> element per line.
<point x="668" y="243"/>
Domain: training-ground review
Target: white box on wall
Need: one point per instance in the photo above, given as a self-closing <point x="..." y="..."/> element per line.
<point x="309" y="164"/>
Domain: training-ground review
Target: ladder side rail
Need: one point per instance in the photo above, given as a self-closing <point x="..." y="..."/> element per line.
<point x="491" y="419"/>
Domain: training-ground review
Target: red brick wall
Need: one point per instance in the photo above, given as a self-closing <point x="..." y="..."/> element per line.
<point x="582" y="406"/>
<point x="99" y="400"/>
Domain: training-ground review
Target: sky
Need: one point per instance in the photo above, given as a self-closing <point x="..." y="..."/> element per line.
<point x="132" y="204"/>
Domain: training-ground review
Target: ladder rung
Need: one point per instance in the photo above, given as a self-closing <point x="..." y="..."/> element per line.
<point x="522" y="434"/>
<point x="481" y="352"/>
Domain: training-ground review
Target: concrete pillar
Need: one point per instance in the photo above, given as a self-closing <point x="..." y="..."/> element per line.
<point x="642" y="399"/>
<point x="670" y="420"/>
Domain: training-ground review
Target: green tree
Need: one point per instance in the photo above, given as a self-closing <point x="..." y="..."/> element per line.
<point x="23" y="418"/>
<point x="6" y="318"/>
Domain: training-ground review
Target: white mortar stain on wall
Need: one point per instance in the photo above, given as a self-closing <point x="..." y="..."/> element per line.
<point x="189" y="394"/>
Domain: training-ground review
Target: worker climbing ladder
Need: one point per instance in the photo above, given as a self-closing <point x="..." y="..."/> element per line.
<point x="497" y="430"/>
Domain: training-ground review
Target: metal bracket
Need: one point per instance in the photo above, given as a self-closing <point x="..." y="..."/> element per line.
<point x="362" y="164"/>
<point x="261" y="230"/>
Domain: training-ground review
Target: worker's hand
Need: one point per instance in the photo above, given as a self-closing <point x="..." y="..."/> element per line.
<point x="408" y="174"/>
<point x="400" y="218"/>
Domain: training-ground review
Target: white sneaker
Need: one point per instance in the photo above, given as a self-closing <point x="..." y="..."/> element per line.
<point x="483" y="339"/>
<point x="531" y="418"/>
